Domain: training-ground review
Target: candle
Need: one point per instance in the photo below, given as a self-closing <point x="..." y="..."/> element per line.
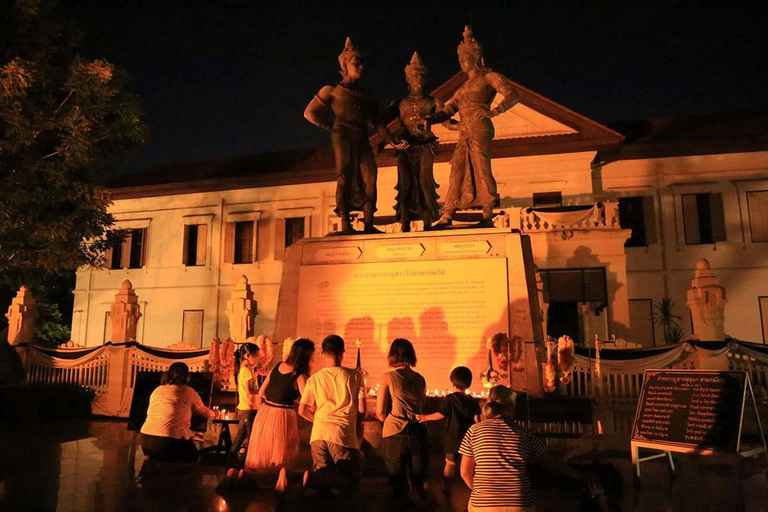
<point x="599" y="428"/>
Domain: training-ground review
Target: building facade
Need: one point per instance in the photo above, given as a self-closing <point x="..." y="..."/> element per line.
<point x="618" y="219"/>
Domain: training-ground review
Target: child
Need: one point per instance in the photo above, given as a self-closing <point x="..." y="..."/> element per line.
<point x="460" y="411"/>
<point x="246" y="358"/>
<point x="332" y="399"/>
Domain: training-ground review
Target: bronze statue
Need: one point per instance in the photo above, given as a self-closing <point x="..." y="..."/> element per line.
<point x="471" y="182"/>
<point x="416" y="187"/>
<point x="354" y="111"/>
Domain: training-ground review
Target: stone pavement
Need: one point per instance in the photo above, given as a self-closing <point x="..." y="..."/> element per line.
<point x="88" y="465"/>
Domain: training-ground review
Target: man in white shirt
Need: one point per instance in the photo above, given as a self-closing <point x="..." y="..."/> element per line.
<point x="332" y="399"/>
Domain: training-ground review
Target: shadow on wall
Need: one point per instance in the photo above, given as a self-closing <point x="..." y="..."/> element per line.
<point x="583" y="258"/>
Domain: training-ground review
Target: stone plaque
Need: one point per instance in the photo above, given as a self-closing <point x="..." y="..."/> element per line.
<point x="403" y="251"/>
<point x="470" y="248"/>
<point x="333" y="254"/>
<point x="446" y="308"/>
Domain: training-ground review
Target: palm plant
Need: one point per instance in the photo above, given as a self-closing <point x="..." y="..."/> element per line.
<point x="666" y="317"/>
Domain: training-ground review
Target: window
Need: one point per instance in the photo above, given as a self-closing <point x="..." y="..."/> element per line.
<point x="574" y="285"/>
<point x="192" y="327"/>
<point x="757" y="203"/>
<point x="243" y="242"/>
<point x="130" y="252"/>
<point x="641" y="322"/>
<point x="195" y="244"/>
<point x="241" y="237"/>
<point x="294" y="230"/>
<point x="703" y="218"/>
<point x="547" y="199"/>
<point x="632" y="216"/>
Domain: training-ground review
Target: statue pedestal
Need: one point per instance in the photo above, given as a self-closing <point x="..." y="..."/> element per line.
<point x="446" y="291"/>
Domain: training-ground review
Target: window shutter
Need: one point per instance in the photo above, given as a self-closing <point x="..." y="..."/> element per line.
<point x="192" y="327"/>
<point x="718" y="217"/>
<point x="757" y="203"/>
<point x="229" y="242"/>
<point x="202" y="243"/>
<point x="691" y="219"/>
<point x="280" y="225"/>
<point x="125" y="250"/>
<point x="650" y="220"/>
<point x="185" y="254"/>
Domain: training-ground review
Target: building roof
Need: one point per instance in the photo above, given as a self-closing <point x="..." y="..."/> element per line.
<point x="734" y="132"/>
<point x="654" y="138"/>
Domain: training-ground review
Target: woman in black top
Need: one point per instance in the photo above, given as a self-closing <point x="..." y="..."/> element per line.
<point x="274" y="440"/>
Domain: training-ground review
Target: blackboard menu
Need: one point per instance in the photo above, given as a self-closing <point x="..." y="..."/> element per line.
<point x="696" y="409"/>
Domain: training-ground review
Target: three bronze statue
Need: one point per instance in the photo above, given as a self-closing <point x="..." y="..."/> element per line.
<point x="471" y="183"/>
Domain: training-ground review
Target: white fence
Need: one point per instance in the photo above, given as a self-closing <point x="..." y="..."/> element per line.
<point x="110" y="371"/>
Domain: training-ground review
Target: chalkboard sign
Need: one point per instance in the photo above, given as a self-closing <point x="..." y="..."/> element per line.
<point x="146" y="382"/>
<point x="690" y="410"/>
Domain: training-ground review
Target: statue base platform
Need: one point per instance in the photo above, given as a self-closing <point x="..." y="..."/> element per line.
<point x="446" y="291"/>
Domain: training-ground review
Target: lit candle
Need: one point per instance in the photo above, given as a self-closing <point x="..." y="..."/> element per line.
<point x="599" y="428"/>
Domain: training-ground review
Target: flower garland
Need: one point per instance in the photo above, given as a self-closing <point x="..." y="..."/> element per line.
<point x="548" y="369"/>
<point x="213" y="358"/>
<point x="226" y="361"/>
<point x="489" y="376"/>
<point x="565" y="357"/>
<point x="287" y="344"/>
<point x="266" y="350"/>
<point x="516" y="349"/>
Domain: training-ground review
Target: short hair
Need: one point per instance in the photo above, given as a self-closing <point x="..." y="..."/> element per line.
<point x="333" y="344"/>
<point x="178" y="373"/>
<point x="493" y="410"/>
<point x="401" y="352"/>
<point x="461" y="377"/>
<point x="502" y="394"/>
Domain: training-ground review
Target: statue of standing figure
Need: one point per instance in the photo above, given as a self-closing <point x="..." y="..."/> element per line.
<point x="471" y="181"/>
<point x="355" y="111"/>
<point x="416" y="188"/>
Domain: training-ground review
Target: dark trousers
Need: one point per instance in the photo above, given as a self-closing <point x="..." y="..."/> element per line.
<point x="335" y="466"/>
<point x="244" y="429"/>
<point x="168" y="449"/>
<point x="406" y="456"/>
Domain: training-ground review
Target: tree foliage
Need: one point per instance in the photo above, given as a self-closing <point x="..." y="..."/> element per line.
<point x="61" y="114"/>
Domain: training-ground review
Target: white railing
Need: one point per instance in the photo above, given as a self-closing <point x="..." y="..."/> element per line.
<point x="597" y="216"/>
<point x="110" y="372"/>
<point x="758" y="372"/>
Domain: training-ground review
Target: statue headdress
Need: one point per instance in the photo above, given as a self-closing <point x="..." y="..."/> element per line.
<point x="346" y="54"/>
<point x="470" y="46"/>
<point x="416" y="65"/>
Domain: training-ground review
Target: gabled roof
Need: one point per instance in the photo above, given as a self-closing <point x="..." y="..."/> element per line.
<point x="572" y="133"/>
<point x="733" y="132"/>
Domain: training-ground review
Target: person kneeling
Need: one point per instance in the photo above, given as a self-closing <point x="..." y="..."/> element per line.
<point x="332" y="399"/>
<point x="166" y="435"/>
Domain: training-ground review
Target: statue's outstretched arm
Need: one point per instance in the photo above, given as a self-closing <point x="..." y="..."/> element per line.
<point x="450" y="124"/>
<point x="504" y="87"/>
<point x="319" y="106"/>
<point x="443" y="114"/>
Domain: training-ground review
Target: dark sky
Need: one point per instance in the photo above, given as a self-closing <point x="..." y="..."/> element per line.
<point x="221" y="78"/>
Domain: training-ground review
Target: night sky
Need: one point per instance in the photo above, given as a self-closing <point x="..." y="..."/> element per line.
<point x="220" y="78"/>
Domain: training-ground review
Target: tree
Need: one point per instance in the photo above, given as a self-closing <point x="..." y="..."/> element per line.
<point x="61" y="115"/>
<point x="668" y="319"/>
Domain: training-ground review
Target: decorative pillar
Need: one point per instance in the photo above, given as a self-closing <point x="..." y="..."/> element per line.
<point x="125" y="314"/>
<point x="21" y="317"/>
<point x="706" y="300"/>
<point x="241" y="311"/>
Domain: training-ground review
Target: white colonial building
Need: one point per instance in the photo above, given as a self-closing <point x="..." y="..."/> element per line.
<point x="618" y="219"/>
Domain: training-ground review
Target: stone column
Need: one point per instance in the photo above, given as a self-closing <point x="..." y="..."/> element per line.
<point x="706" y="300"/>
<point x="241" y="311"/>
<point x="125" y="314"/>
<point x="21" y="317"/>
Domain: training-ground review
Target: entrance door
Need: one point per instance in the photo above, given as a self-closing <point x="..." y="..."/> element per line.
<point x="563" y="318"/>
